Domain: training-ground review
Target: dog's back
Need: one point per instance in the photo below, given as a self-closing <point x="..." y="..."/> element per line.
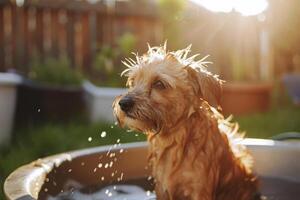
<point x="202" y="160"/>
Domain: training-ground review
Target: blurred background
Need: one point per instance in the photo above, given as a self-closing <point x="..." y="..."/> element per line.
<point x="60" y="63"/>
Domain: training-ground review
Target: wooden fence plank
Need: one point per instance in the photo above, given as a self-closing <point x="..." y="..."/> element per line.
<point x="54" y="33"/>
<point x="39" y="31"/>
<point x="86" y="43"/>
<point x="62" y="33"/>
<point x="2" y="56"/>
<point x="70" y="36"/>
<point x="25" y="34"/>
<point x="100" y="29"/>
<point x="31" y="36"/>
<point x="13" y="34"/>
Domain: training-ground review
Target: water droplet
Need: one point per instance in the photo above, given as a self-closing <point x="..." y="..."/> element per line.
<point x="106" y="165"/>
<point x="39" y="110"/>
<point x="103" y="134"/>
<point x="95" y="169"/>
<point x="148" y="193"/>
<point x="118" y="140"/>
<point x="115" y="187"/>
<point x="46" y="189"/>
<point x="111" y="163"/>
<point x="102" y="178"/>
<point x="90" y="139"/>
<point x="106" y="191"/>
<point x="100" y="165"/>
<point x="110" y="194"/>
<point x="121" y="150"/>
<point x="82" y="164"/>
<point x="69" y="170"/>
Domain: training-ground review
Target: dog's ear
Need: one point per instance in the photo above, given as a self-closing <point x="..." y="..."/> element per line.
<point x="206" y="85"/>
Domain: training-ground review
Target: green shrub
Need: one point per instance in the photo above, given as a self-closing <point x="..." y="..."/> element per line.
<point x="106" y="66"/>
<point x="127" y="43"/>
<point x="55" y="72"/>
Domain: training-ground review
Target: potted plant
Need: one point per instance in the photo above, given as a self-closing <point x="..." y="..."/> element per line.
<point x="104" y="82"/>
<point x="52" y="91"/>
<point x="8" y="85"/>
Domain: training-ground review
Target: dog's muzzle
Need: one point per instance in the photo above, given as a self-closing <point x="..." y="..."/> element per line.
<point x="126" y="103"/>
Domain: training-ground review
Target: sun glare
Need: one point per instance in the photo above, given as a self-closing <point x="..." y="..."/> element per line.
<point x="245" y="7"/>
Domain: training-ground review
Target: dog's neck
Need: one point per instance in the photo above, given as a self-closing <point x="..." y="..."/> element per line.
<point x="191" y="129"/>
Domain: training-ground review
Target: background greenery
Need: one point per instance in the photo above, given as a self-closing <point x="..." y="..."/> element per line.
<point x="56" y="72"/>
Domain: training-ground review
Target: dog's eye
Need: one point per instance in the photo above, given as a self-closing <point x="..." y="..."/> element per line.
<point x="159" y="85"/>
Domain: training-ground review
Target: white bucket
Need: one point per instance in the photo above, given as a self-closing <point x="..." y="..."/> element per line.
<point x="8" y="86"/>
<point x="99" y="101"/>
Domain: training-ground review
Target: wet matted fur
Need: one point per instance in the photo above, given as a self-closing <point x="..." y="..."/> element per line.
<point x="195" y="153"/>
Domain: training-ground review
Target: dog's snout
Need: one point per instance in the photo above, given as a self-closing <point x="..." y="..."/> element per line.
<point x="126" y="103"/>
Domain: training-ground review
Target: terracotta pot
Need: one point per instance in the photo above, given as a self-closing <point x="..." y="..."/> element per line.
<point x="49" y="175"/>
<point x="245" y="98"/>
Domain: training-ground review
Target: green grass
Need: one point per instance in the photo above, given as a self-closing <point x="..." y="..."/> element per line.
<point x="51" y="138"/>
<point x="266" y="125"/>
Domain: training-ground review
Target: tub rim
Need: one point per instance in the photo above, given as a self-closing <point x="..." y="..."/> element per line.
<point x="18" y="185"/>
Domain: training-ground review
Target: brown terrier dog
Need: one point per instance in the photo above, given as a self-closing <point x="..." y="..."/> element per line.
<point x="195" y="153"/>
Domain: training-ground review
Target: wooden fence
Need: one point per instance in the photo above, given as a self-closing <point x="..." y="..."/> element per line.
<point x="72" y="28"/>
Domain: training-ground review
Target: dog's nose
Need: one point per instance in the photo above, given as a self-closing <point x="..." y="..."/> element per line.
<point x="126" y="103"/>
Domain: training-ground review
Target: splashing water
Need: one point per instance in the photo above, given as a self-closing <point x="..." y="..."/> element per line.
<point x="103" y="134"/>
<point x="112" y="192"/>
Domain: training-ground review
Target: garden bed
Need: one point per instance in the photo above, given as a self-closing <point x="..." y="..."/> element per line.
<point x="40" y="102"/>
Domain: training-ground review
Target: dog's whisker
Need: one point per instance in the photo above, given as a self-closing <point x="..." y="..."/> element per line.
<point x="130" y="61"/>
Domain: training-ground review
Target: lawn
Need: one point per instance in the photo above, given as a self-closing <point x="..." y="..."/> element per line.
<point x="45" y="139"/>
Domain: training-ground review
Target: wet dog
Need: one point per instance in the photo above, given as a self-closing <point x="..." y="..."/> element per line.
<point x="195" y="153"/>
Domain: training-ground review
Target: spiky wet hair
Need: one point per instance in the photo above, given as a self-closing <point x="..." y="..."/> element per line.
<point x="160" y="53"/>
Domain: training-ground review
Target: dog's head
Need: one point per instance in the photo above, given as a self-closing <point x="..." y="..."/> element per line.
<point x="164" y="88"/>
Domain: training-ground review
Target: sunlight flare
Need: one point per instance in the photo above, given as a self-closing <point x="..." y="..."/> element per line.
<point x="245" y="7"/>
